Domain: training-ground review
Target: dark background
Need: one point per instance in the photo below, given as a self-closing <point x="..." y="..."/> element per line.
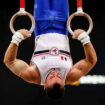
<point x="14" y="91"/>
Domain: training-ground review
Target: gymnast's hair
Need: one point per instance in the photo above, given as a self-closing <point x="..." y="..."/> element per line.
<point x="55" y="93"/>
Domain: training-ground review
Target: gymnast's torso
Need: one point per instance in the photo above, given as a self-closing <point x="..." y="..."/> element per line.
<point x="52" y="50"/>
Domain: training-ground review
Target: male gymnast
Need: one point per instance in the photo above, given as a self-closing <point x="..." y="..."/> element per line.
<point x="51" y="64"/>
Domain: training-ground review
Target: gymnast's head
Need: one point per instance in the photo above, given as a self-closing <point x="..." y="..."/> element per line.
<point x="54" y="85"/>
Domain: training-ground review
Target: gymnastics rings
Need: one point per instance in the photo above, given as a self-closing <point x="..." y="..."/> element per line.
<point x="22" y="12"/>
<point x="79" y="13"/>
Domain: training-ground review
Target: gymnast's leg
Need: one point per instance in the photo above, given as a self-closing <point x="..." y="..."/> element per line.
<point x="51" y="16"/>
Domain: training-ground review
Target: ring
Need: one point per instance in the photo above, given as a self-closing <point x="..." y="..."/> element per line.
<point x="22" y="13"/>
<point x="79" y="14"/>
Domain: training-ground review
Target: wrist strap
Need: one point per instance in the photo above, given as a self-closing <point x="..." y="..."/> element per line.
<point x="84" y="38"/>
<point x="17" y="38"/>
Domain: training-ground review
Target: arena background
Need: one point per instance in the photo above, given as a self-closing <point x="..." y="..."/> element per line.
<point x="14" y="91"/>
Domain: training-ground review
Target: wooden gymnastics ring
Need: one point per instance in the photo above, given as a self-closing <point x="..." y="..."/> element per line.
<point x="79" y="13"/>
<point x="22" y="12"/>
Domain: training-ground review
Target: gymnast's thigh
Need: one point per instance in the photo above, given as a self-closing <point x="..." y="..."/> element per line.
<point x="51" y="9"/>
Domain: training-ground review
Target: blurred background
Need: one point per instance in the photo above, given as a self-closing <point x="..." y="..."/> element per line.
<point x="14" y="91"/>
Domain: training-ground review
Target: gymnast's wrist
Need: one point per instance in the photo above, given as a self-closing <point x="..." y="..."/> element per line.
<point x="84" y="38"/>
<point x="17" y="38"/>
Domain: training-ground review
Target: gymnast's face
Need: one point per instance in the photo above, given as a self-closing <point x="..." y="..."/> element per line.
<point x="53" y="78"/>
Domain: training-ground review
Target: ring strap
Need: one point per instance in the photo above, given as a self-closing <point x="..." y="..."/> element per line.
<point x="79" y="3"/>
<point x="22" y="3"/>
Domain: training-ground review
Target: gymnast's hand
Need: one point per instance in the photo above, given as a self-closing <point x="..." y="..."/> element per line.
<point x="25" y="33"/>
<point x="77" y="32"/>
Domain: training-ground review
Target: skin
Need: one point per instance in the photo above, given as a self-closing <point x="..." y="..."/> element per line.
<point x="31" y="74"/>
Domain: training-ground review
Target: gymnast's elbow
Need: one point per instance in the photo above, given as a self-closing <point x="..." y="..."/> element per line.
<point x="95" y="60"/>
<point x="92" y="61"/>
<point x="8" y="61"/>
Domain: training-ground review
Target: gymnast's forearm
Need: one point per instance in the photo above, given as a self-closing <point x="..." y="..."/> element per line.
<point x="11" y="53"/>
<point x="15" y="65"/>
<point x="90" y="53"/>
<point x="89" y="50"/>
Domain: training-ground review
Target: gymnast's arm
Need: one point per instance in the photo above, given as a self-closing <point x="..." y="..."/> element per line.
<point x="82" y="67"/>
<point x="18" y="67"/>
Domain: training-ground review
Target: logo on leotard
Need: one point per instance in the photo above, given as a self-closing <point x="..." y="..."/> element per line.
<point x="54" y="51"/>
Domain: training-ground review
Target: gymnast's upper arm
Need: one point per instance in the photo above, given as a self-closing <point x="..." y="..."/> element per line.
<point x="80" y="69"/>
<point x="23" y="70"/>
<point x="17" y="66"/>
